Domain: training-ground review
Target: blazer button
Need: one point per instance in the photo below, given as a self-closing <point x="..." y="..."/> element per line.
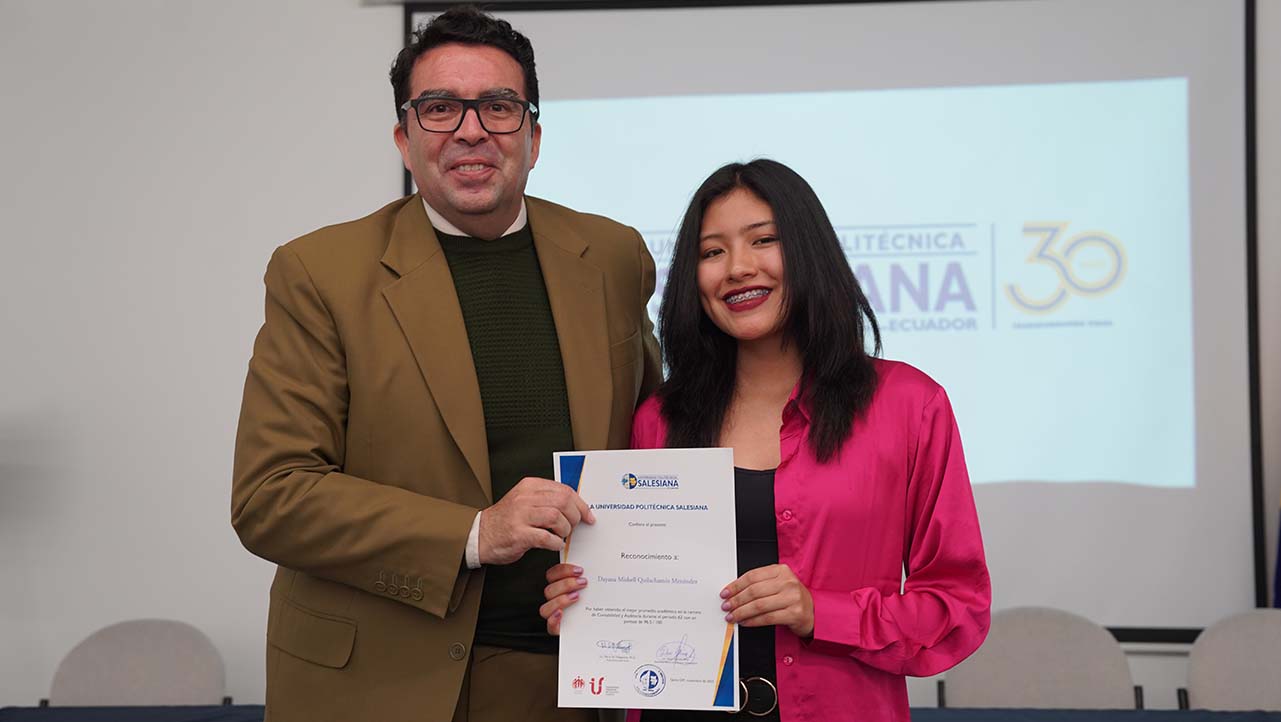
<point x="787" y="515"/>
<point x="788" y="660"/>
<point x="457" y="651"/>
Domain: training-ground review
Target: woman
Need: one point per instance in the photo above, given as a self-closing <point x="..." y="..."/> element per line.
<point x="848" y="468"/>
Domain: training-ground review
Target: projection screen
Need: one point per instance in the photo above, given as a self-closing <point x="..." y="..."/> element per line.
<point x="1046" y="203"/>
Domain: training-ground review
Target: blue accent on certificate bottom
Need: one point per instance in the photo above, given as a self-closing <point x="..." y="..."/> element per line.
<point x="571" y="469"/>
<point x="729" y="680"/>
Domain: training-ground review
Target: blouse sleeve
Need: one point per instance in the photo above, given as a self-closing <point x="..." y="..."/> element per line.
<point x="648" y="431"/>
<point x="943" y="613"/>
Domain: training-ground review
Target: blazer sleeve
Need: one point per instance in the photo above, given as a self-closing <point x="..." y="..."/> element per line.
<point x="291" y="503"/>
<point x="943" y="613"/>
<point x="652" y="359"/>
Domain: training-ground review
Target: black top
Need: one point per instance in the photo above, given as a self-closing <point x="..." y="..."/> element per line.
<point x="757" y="547"/>
<point x="522" y="390"/>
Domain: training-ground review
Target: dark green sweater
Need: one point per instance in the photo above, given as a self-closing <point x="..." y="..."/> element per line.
<point x="522" y="389"/>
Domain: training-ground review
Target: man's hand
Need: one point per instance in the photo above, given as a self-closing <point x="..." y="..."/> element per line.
<point x="535" y="514"/>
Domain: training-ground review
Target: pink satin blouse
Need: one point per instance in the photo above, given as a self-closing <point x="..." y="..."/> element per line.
<point x="896" y="498"/>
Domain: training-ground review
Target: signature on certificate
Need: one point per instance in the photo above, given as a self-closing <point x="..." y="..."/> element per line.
<point x="622" y="646"/>
<point x="678" y="651"/>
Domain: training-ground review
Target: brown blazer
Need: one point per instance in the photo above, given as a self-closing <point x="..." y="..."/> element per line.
<point x="361" y="457"/>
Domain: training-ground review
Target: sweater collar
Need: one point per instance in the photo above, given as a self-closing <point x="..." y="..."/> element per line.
<point x="439" y="223"/>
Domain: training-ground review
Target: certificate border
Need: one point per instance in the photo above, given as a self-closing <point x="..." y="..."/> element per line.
<point x="569" y="471"/>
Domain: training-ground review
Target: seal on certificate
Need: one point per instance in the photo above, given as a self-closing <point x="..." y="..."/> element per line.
<point x="650" y="680"/>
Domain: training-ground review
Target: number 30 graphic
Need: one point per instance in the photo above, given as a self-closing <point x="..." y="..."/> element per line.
<point x="1087" y="264"/>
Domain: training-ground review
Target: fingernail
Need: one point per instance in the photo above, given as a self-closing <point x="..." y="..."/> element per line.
<point x="581" y="581"/>
<point x="556" y="614"/>
<point x="578" y="571"/>
<point x="725" y="607"/>
<point x="729" y="617"/>
<point x="725" y="594"/>
<point x="573" y="595"/>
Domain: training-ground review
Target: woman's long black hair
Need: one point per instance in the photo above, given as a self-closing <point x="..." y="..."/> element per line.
<point x="826" y="316"/>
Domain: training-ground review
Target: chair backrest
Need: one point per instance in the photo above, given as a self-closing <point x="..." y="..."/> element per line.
<point x="1046" y="658"/>
<point x="141" y="662"/>
<point x="1233" y="664"/>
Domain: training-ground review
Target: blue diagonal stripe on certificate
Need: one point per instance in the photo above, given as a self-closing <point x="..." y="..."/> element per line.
<point x="571" y="469"/>
<point x="729" y="680"/>
<point x="571" y="472"/>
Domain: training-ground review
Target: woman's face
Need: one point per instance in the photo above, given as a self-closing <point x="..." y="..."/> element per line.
<point x="740" y="267"/>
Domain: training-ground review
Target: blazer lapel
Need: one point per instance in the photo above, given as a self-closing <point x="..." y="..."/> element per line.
<point x="575" y="289"/>
<point x="425" y="305"/>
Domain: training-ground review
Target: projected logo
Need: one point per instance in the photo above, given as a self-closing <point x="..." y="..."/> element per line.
<point x="662" y="245"/>
<point x="942" y="278"/>
<point x="1087" y="264"/>
<point x="919" y="278"/>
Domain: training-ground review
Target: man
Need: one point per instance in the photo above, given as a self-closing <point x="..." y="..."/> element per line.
<point x="415" y="372"/>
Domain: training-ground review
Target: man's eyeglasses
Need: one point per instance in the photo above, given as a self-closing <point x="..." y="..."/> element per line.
<point x="439" y="114"/>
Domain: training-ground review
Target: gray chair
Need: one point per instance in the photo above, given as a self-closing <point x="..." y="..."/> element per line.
<point x="1036" y="657"/>
<point x="140" y="663"/>
<point x="1233" y="664"/>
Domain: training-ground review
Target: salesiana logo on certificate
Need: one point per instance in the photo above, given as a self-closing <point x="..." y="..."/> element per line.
<point x="633" y="481"/>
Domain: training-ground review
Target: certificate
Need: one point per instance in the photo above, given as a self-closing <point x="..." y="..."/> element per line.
<point x="648" y="631"/>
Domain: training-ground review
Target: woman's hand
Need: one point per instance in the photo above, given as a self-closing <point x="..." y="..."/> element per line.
<point x="769" y="596"/>
<point x="563" y="583"/>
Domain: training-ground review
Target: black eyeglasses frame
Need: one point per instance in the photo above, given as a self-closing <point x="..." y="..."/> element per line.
<point x="472" y="104"/>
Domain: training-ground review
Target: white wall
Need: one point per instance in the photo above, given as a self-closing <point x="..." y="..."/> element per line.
<point x="156" y="144"/>
<point x="145" y="143"/>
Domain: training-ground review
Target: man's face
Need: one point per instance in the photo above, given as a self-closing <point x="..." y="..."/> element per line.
<point x="474" y="178"/>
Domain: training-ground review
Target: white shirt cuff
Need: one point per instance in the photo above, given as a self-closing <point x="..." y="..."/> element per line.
<point x="472" y="555"/>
